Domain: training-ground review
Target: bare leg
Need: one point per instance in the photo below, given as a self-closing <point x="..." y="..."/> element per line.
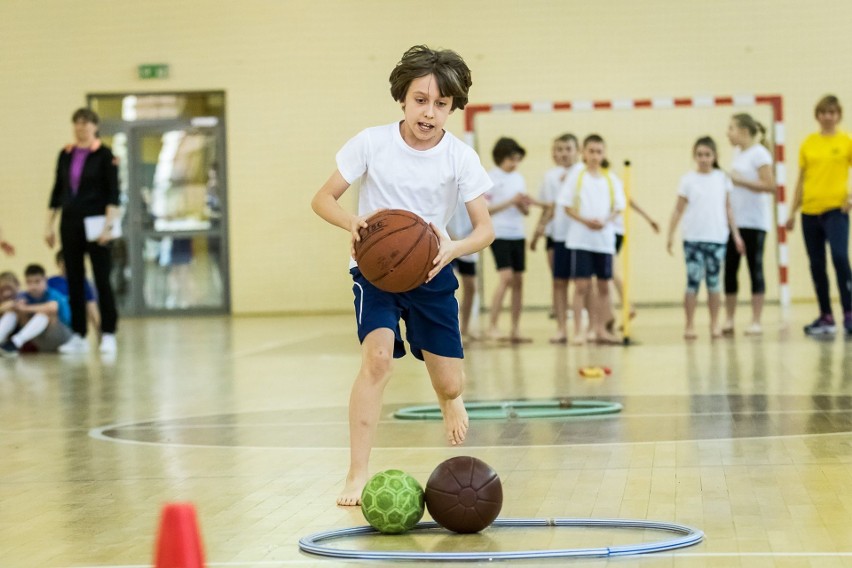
<point x="505" y="280"/>
<point x="365" y="407"/>
<point x="619" y="291"/>
<point x="690" y="300"/>
<point x="714" y="301"/>
<point x="550" y="265"/>
<point x="517" y="306"/>
<point x="730" y="311"/>
<point x="447" y="376"/>
<point x="560" y="308"/>
<point x="582" y="296"/>
<point x="756" y="310"/>
<point x="601" y="312"/>
<point x="468" y="293"/>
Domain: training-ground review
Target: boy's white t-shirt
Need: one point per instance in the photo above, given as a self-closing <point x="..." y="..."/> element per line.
<point x="550" y="185"/>
<point x="508" y="223"/>
<point x="461" y="226"/>
<point x="705" y="219"/>
<point x="394" y="175"/>
<point x="752" y="210"/>
<point x="595" y="202"/>
<point x="561" y="220"/>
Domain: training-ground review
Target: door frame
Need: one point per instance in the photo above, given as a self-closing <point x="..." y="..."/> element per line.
<point x="134" y="230"/>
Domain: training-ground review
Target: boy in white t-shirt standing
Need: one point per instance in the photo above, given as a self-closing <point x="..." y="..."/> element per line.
<point x="412" y="164"/>
<point x="593" y="198"/>
<point x="508" y="204"/>
<point x="554" y="225"/>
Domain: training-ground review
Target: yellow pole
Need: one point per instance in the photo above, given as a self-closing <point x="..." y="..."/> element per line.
<point x="625" y="258"/>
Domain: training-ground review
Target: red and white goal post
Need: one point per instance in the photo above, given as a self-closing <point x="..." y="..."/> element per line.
<point x="775" y="102"/>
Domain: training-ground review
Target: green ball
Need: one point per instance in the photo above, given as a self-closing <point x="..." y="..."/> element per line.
<point x="392" y="502"/>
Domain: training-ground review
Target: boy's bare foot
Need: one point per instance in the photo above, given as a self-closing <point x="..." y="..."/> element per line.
<point x="470" y="337"/>
<point x="607" y="339"/>
<point x="351" y="494"/>
<point x="754" y="329"/>
<point x="559" y="340"/>
<point x="578" y="340"/>
<point x="690" y="334"/>
<point x="496" y="335"/>
<point x="518" y="339"/>
<point x="716" y="333"/>
<point x="455" y="420"/>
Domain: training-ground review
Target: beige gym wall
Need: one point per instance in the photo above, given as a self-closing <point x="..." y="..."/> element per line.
<point x="301" y="77"/>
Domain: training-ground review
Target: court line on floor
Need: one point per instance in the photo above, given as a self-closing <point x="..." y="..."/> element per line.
<point x="246" y="564"/>
<point x="273" y="345"/>
<point x="97" y="434"/>
<point x="147" y="424"/>
<point x="768" y="554"/>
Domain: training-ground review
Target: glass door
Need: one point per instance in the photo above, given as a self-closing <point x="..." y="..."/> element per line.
<point x="172" y="257"/>
<point x="177" y="217"/>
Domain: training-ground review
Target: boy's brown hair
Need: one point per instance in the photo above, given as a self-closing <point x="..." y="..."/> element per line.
<point x="449" y="69"/>
<point x="506" y="148"/>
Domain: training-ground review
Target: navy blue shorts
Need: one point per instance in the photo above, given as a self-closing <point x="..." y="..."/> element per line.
<point x="430" y="313"/>
<point x="585" y="264"/>
<point x="510" y="253"/>
<point x="465" y="267"/>
<point x="561" y="261"/>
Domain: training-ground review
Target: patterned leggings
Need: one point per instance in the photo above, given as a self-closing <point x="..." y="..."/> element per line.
<point x="703" y="262"/>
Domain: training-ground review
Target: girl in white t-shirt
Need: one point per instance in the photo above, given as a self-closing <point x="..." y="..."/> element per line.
<point x="704" y="202"/>
<point x="508" y="204"/>
<point x="751" y="200"/>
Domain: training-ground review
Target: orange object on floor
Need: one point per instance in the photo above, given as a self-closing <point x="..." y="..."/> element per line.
<point x="179" y="541"/>
<point x="595" y="372"/>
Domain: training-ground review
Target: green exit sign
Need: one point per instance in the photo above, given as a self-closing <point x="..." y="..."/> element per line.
<point x="154" y="71"/>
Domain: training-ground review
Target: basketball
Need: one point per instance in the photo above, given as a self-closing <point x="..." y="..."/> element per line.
<point x="396" y="250"/>
<point x="464" y="494"/>
<point x="392" y="502"/>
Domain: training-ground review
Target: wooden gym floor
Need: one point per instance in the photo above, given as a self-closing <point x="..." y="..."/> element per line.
<point x="748" y="439"/>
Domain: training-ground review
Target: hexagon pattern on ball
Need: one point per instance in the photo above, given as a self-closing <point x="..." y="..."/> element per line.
<point x="464" y="494"/>
<point x="392" y="501"/>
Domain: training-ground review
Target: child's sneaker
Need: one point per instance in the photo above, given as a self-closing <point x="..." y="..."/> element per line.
<point x="77" y="344"/>
<point x="108" y="344"/>
<point x="8" y="349"/>
<point x="823" y="325"/>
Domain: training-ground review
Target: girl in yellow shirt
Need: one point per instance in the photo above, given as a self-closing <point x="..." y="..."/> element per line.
<point x="822" y="192"/>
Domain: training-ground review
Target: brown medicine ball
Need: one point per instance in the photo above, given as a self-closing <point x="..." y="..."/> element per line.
<point x="464" y="494"/>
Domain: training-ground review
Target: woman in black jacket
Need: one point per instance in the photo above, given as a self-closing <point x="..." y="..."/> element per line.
<point x="86" y="187"/>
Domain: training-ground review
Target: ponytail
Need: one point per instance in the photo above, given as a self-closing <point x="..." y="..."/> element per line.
<point x="755" y="128"/>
